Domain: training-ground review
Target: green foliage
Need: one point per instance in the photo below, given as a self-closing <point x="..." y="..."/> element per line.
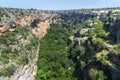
<point x="104" y="60"/>
<point x="99" y="43"/>
<point x="117" y="48"/>
<point x="53" y="62"/>
<point x="8" y="71"/>
<point x="13" y="50"/>
<point x="24" y="31"/>
<point x="57" y="59"/>
<point x="97" y="29"/>
<point x="78" y="52"/>
<point x="96" y="74"/>
<point x="8" y="39"/>
<point x="86" y="55"/>
<point x="4" y="60"/>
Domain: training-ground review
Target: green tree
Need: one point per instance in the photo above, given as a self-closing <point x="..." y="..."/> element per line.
<point x="96" y="74"/>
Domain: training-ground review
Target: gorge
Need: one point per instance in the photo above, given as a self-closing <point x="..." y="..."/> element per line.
<point x="59" y="45"/>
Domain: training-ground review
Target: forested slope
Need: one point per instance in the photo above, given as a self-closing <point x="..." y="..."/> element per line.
<point x="87" y="50"/>
<point x="59" y="45"/>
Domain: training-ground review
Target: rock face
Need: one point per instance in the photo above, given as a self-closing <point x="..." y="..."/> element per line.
<point x="41" y="27"/>
<point x="27" y="71"/>
<point x="23" y="73"/>
<point x="38" y="25"/>
<point x="3" y="29"/>
<point x="39" y="21"/>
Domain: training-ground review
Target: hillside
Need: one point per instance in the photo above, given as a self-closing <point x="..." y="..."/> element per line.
<point x="59" y="45"/>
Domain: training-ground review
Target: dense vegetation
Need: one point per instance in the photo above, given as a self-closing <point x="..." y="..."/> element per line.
<point x="53" y="62"/>
<point x="75" y="50"/>
<point x="80" y="44"/>
<point x="16" y="49"/>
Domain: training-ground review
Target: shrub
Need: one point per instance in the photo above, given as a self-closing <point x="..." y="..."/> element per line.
<point x="96" y="74"/>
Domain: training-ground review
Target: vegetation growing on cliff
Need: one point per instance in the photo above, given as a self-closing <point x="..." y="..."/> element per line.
<point x="87" y="45"/>
<point x="16" y="49"/>
<point x="79" y="45"/>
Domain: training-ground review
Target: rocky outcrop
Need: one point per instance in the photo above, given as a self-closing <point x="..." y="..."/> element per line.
<point x="38" y="24"/>
<point x="3" y="29"/>
<point x="27" y="71"/>
<point x="41" y="28"/>
<point x="25" y="20"/>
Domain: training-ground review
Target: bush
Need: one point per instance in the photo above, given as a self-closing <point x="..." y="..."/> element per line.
<point x="96" y="74"/>
<point x="8" y="71"/>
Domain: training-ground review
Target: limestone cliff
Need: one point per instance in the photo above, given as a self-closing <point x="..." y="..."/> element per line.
<point x="23" y="28"/>
<point x="21" y="31"/>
